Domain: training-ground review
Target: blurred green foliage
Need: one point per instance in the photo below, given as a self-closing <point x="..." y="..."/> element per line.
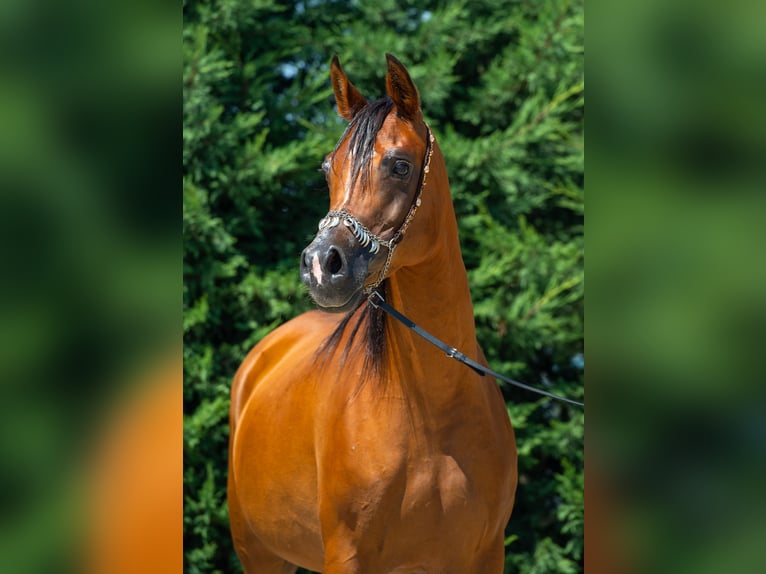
<point x="676" y="176"/>
<point x="502" y="87"/>
<point x="90" y="270"/>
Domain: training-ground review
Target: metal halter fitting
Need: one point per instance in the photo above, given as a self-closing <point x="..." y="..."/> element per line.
<point x="366" y="237"/>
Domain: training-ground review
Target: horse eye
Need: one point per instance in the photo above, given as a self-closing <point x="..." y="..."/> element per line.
<point x="401" y="168"/>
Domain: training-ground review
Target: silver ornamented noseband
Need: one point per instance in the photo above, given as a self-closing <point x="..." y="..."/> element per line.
<point x="366" y="237"/>
<point x="363" y="235"/>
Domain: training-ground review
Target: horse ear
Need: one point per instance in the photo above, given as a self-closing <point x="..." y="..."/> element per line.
<point x="348" y="98"/>
<point x="401" y="89"/>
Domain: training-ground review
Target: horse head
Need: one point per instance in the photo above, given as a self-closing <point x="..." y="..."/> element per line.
<point x="376" y="175"/>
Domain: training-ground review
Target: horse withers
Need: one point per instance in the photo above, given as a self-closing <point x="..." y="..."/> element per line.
<point x="355" y="446"/>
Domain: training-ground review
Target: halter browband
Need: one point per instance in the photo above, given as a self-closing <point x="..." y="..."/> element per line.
<point x="366" y="237"/>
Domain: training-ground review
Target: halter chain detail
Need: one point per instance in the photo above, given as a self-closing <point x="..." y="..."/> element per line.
<point x="367" y="238"/>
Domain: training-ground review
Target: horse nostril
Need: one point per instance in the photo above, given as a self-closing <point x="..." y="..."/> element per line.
<point x="334" y="263"/>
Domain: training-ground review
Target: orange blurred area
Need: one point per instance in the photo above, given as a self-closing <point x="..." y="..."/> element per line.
<point x="136" y="494"/>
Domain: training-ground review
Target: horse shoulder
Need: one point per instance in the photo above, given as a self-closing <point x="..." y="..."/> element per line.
<point x="296" y="340"/>
<point x="272" y="461"/>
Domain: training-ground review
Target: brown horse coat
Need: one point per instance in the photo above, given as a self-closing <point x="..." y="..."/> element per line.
<point x="340" y="464"/>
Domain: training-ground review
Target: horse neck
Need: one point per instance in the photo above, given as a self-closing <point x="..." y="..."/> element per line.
<point x="434" y="293"/>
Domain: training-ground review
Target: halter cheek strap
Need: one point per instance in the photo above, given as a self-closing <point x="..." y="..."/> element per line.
<point x="366" y="237"/>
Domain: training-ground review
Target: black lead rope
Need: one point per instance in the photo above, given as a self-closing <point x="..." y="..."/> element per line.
<point x="377" y="300"/>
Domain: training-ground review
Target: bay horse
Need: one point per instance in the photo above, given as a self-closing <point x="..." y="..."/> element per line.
<point x="355" y="447"/>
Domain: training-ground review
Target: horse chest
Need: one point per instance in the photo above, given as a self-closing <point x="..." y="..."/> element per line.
<point x="418" y="509"/>
<point x="389" y="472"/>
<point x="436" y="486"/>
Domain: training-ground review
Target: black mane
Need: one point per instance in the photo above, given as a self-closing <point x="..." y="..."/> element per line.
<point x="371" y="322"/>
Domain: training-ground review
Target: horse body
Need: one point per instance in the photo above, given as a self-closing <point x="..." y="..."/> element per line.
<point x="342" y="468"/>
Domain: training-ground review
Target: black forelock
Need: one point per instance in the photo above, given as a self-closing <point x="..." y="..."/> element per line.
<point x="364" y="129"/>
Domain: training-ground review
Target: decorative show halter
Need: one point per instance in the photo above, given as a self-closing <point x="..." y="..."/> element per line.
<point x="366" y="237"/>
<point x="373" y="242"/>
